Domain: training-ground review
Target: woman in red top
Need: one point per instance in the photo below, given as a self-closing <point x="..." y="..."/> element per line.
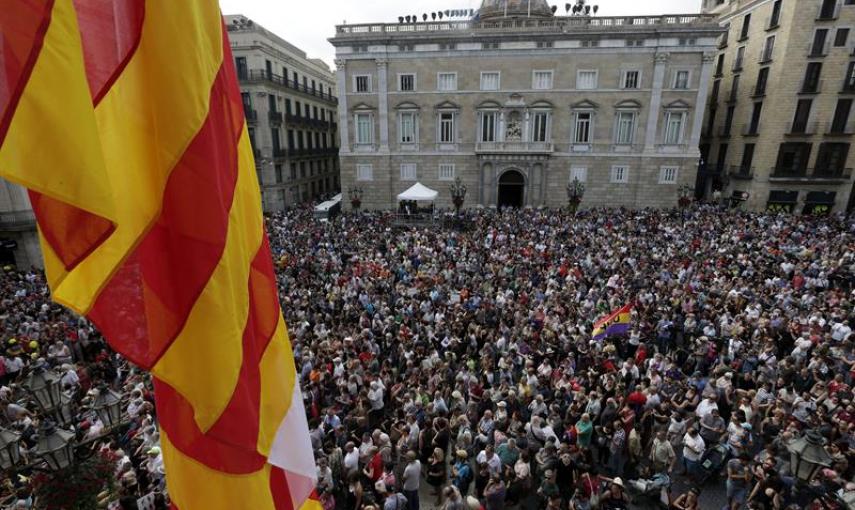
<point x="374" y="467"/>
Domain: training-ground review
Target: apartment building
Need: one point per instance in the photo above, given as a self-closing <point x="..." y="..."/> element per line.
<point x="778" y="128"/>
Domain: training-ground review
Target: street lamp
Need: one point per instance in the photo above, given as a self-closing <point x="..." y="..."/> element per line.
<point x="55" y="446"/>
<point x="458" y="193"/>
<point x="575" y="191"/>
<point x="355" y="197"/>
<point x="685" y="193"/>
<point x="10" y="453"/>
<point x="44" y="385"/>
<point x="808" y="455"/>
<point x="108" y="406"/>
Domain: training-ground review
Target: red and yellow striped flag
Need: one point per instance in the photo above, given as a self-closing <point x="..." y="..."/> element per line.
<point x="125" y="121"/>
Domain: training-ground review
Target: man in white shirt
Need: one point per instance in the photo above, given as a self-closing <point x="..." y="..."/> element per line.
<point x="693" y="451"/>
<point x="706" y="406"/>
<point x="351" y="459"/>
<point x="488" y="456"/>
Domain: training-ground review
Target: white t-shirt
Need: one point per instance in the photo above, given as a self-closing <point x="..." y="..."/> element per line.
<point x="693" y="447"/>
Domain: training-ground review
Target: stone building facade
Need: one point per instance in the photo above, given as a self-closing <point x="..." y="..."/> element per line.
<point x="517" y="102"/>
<point x="779" y="126"/>
<point x="290" y="108"/>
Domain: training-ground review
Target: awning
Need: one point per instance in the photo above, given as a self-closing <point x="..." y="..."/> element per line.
<point x="419" y="193"/>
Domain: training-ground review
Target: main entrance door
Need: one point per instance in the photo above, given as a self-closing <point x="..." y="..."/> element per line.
<point x="511" y="187"/>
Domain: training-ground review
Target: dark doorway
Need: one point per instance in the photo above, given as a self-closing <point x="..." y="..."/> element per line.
<point x="511" y="187"/>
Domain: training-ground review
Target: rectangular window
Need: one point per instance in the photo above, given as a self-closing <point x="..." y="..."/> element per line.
<point x="446" y="81"/>
<point x="841" y="115"/>
<point x="740" y="56"/>
<point x="408" y="171"/>
<point x="490" y="80"/>
<point x="775" y="18"/>
<point x="488" y="127"/>
<point x="446" y="172"/>
<point x="817" y="49"/>
<point x="812" y="74"/>
<point x="674" y="128"/>
<point x="619" y="174"/>
<point x="541" y="80"/>
<point x="364" y="129"/>
<point x="768" y="49"/>
<point x="446" y="127"/>
<point x="831" y="158"/>
<point x="406" y="82"/>
<point x="540" y="131"/>
<point x="762" y="78"/>
<point x="668" y="175"/>
<point x="840" y="37"/>
<point x="362" y="83"/>
<point x="716" y="87"/>
<point x="754" y="125"/>
<point x="722" y="157"/>
<point x="364" y="172"/>
<point x="582" y="132"/>
<point x="408" y="127"/>
<point x="625" y="127"/>
<point x="849" y="81"/>
<point x="681" y="79"/>
<point x="728" y="120"/>
<point x="734" y="89"/>
<point x="793" y="158"/>
<point x="240" y="64"/>
<point x="586" y="80"/>
<point x="746" y="24"/>
<point x="631" y="80"/>
<point x="293" y="171"/>
<point x="747" y="158"/>
<point x="827" y="10"/>
<point x="579" y="173"/>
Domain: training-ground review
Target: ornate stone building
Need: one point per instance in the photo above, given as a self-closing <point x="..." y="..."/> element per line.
<point x="517" y="102"/>
<point x="779" y="124"/>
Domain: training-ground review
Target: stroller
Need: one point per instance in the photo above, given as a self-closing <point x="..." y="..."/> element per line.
<point x="712" y="462"/>
<point x="653" y="492"/>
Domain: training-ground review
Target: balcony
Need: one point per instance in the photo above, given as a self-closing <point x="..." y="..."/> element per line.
<point x="811" y="87"/>
<point x="810" y="175"/>
<point x="17" y="220"/>
<point x="839" y="129"/>
<point x="256" y="75"/>
<point x="279" y="153"/>
<point x="805" y="129"/>
<point x="751" y="130"/>
<point x="766" y="56"/>
<point x="250" y="114"/>
<point x="513" y="147"/>
<point x="741" y="173"/>
<point x="773" y="23"/>
<point x="737" y="65"/>
<point x="818" y="50"/>
<point x="275" y="117"/>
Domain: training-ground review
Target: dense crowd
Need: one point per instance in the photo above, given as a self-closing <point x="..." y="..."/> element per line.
<point x="459" y="366"/>
<point x="455" y="368"/>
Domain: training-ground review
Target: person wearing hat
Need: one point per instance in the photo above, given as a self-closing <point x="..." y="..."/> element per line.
<point x="615" y="496"/>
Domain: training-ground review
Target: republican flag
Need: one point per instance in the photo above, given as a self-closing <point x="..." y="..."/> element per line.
<point x="615" y="323"/>
<point x="125" y="121"/>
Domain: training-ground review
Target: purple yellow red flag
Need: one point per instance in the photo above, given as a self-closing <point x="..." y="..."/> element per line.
<point x="615" y="323"/>
<point x="124" y="120"/>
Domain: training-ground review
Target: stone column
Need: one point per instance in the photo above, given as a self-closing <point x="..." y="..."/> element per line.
<point x="343" y="121"/>
<point x="700" y="106"/>
<point x="383" y="103"/>
<point x="501" y="137"/>
<point x="526" y="126"/>
<point x="661" y="61"/>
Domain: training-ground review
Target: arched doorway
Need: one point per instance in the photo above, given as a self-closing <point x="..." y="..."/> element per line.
<point x="511" y="189"/>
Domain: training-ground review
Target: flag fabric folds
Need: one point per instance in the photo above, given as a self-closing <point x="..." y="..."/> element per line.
<point x="615" y="323"/>
<point x="124" y="120"/>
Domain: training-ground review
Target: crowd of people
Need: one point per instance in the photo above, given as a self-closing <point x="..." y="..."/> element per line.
<point x="455" y="368"/>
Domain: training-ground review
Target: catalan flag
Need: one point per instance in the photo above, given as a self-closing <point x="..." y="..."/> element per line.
<point x="124" y="120"/>
<point x="615" y="323"/>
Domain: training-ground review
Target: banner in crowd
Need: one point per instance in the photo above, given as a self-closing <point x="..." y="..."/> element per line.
<point x="124" y="120"/>
<point x="615" y="323"/>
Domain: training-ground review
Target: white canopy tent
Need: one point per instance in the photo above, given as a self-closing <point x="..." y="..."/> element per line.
<point x="418" y="192"/>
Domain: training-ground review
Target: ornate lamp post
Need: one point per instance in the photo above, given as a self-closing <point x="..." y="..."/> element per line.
<point x="44" y="385"/>
<point x="10" y="453"/>
<point x="575" y="191"/>
<point x="108" y="406"/>
<point x="355" y="194"/>
<point x="56" y="446"/>
<point x="458" y="194"/>
<point x="685" y="191"/>
<point x="808" y="455"/>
